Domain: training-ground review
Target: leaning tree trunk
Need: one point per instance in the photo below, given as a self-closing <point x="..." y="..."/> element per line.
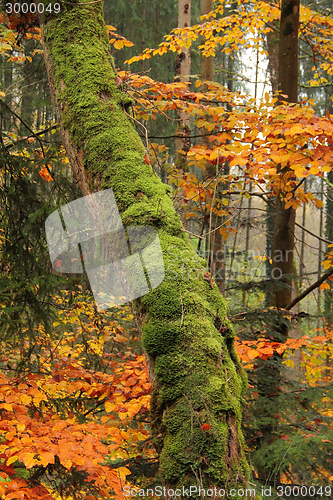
<point x="195" y="373"/>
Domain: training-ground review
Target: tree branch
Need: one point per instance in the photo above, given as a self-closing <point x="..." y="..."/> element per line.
<point x="309" y="289"/>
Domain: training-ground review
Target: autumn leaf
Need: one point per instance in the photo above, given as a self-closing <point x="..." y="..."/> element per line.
<point x="28" y="459"/>
<point x="118" y="44"/>
<point x="109" y="406"/>
<point x="46" y="457"/>
<point x="25" y="399"/>
<point x="12" y="459"/>
<point x="146" y="159"/>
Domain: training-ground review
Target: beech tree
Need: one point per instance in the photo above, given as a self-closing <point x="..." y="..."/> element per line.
<point x="284" y="220"/>
<point x="197" y="380"/>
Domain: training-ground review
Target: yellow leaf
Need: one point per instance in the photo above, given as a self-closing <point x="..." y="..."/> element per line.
<point x="118" y="44"/>
<point x="296" y="129"/>
<point x="6" y="406"/>
<point x="319" y="203"/>
<point x="11" y="460"/>
<point x="214" y="155"/>
<point x="109" y="406"/>
<point x="289" y="362"/>
<point x="25" y="399"/>
<point x="20" y="427"/>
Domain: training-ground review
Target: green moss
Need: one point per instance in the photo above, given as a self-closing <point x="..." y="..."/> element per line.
<point x="171" y="367"/>
<point x="157" y="337"/>
<point x="198" y="378"/>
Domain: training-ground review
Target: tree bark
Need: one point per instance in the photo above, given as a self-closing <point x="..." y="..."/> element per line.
<point x="282" y="269"/>
<point x="288" y="49"/>
<point x="215" y="242"/>
<point x="182" y="74"/>
<point x="183" y="132"/>
<point x="195" y="373"/>
<point x="284" y="220"/>
<point x="272" y="40"/>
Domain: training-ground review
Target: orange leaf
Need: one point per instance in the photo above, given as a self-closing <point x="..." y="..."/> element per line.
<point x="66" y="462"/>
<point x="146" y="159"/>
<point x="46" y="457"/>
<point x="28" y="459"/>
<point x="252" y="353"/>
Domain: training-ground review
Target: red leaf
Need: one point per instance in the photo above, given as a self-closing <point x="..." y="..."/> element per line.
<point x="146" y="159"/>
<point x="205" y="427"/>
<point x="118" y="81"/>
<point x="58" y="263"/>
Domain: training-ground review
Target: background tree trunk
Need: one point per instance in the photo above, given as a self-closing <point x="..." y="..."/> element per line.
<point x="282" y="269"/>
<point x="214" y="242"/>
<point x="284" y="220"/>
<point x="195" y="372"/>
<point x="183" y="131"/>
<point x="182" y="74"/>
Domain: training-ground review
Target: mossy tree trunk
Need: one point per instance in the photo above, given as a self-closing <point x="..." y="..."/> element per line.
<point x="195" y="372"/>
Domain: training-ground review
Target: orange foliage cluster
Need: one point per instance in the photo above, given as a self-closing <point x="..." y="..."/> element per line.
<point x="272" y="147"/>
<point x="70" y="418"/>
<point x="246" y="27"/>
<point x="248" y="350"/>
<point x="116" y="40"/>
<point x="45" y="174"/>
